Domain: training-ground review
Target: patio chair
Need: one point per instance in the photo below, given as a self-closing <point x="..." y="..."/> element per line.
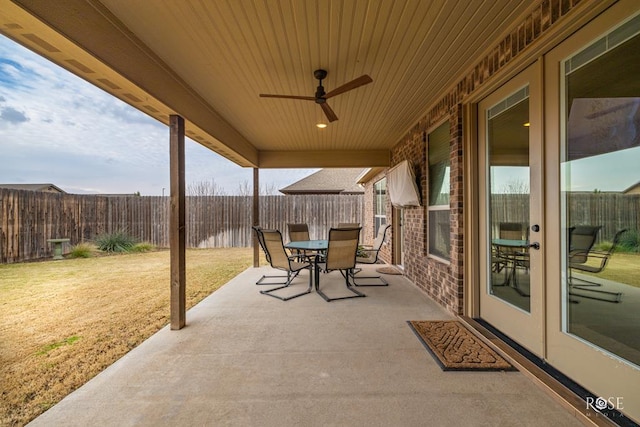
<point x="266" y="279"/>
<point x="369" y="255"/>
<point x="348" y="225"/>
<point x="276" y="255"/>
<point x="341" y="255"/>
<point x="581" y="241"/>
<point x="582" y="257"/>
<point x="298" y="233"/>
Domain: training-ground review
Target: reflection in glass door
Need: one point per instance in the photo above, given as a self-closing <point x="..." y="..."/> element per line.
<point x="508" y="204"/>
<point x="600" y="185"/>
<point x="510" y="210"/>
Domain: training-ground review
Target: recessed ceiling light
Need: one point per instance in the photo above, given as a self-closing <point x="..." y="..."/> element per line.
<point x="321" y="125"/>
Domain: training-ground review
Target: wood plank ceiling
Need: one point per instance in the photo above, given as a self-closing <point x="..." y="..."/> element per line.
<point x="226" y="52"/>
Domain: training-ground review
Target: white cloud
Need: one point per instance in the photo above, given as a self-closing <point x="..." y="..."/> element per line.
<point x="55" y="127"/>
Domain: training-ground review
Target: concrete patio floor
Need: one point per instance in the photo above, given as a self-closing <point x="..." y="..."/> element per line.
<point x="246" y="359"/>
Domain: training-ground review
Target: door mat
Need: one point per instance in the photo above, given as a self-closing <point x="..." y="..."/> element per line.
<point x="455" y="348"/>
<point x="388" y="269"/>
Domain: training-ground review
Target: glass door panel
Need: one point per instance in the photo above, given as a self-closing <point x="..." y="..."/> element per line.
<point x="510" y="158"/>
<point x="508" y="204"/>
<point x="592" y="131"/>
<point x="600" y="189"/>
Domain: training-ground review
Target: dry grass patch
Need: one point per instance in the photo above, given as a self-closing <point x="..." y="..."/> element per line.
<point x="622" y="268"/>
<point x="65" y="321"/>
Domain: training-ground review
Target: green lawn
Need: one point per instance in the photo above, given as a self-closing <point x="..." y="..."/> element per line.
<point x="65" y="321"/>
<point x="622" y="268"/>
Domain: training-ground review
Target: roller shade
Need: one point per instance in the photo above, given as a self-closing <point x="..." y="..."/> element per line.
<point x="401" y="186"/>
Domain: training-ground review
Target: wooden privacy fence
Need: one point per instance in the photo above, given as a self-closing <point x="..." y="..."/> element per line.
<point x="611" y="211"/>
<point x="28" y="219"/>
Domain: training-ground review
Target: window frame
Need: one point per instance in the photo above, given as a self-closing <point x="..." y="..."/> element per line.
<point x="379" y="202"/>
<point x="442" y="207"/>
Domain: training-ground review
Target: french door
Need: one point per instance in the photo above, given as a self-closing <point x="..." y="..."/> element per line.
<point x="511" y="210"/>
<point x="558" y="161"/>
<point x="592" y="116"/>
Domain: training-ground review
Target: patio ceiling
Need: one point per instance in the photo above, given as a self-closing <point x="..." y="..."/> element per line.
<point x="208" y="61"/>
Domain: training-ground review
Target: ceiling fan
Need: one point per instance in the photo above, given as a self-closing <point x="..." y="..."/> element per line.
<point x="321" y="96"/>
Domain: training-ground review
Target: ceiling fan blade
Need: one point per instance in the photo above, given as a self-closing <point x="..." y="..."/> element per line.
<point x="306" y="98"/>
<point x="360" y="81"/>
<point x="331" y="116"/>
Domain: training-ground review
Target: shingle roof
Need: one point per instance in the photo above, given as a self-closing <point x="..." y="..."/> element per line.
<point x="34" y="187"/>
<point x="634" y="188"/>
<point x="327" y="181"/>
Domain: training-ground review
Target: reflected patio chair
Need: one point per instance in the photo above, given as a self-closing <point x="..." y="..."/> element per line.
<point x="506" y="258"/>
<point x="582" y="257"/>
<point x="273" y="247"/>
<point x="581" y="241"/>
<point x="341" y="255"/>
<point x="369" y="255"/>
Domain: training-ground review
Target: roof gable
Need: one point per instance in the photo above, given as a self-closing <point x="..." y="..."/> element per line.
<point x="327" y="181"/>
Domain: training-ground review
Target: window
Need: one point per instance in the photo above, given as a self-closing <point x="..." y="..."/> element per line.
<point x="438" y="206"/>
<point x="379" y="204"/>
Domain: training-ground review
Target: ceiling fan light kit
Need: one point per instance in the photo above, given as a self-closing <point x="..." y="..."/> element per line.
<point x="321" y="96"/>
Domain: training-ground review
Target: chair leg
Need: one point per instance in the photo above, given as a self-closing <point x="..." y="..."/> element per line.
<point x="265" y="277"/>
<point x="354" y="277"/>
<point x="356" y="293"/>
<point x="615" y="297"/>
<point x="606" y="296"/>
<point x="290" y="277"/>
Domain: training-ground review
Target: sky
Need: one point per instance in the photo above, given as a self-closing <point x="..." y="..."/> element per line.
<point x="57" y="128"/>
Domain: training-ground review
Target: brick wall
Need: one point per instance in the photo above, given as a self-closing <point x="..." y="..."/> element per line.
<point x="444" y="281"/>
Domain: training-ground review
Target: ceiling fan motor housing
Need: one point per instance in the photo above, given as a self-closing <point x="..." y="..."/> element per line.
<point x="320" y="93"/>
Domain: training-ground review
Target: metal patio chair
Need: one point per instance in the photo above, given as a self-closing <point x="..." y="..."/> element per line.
<point x="298" y="233"/>
<point x="348" y="225"/>
<point x="341" y="255"/>
<point x="369" y="255"/>
<point x="582" y="257"/>
<point x="273" y="247"/>
<point x="267" y="279"/>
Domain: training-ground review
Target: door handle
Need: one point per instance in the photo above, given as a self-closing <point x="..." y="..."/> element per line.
<point x="535" y="245"/>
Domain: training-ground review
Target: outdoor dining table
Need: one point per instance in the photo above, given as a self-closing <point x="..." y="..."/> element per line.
<point x="316" y="246"/>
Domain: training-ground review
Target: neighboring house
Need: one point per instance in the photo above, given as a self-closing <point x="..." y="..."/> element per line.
<point x="634" y="189"/>
<point x="47" y="188"/>
<point x="327" y="181"/>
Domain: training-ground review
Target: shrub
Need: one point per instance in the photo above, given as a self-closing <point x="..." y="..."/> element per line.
<point x="630" y="241"/>
<point x="603" y="246"/>
<point x="143" y="247"/>
<point x="82" y="250"/>
<point x="118" y="241"/>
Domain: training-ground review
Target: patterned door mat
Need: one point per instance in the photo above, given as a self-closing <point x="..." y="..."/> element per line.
<point x="455" y="348"/>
